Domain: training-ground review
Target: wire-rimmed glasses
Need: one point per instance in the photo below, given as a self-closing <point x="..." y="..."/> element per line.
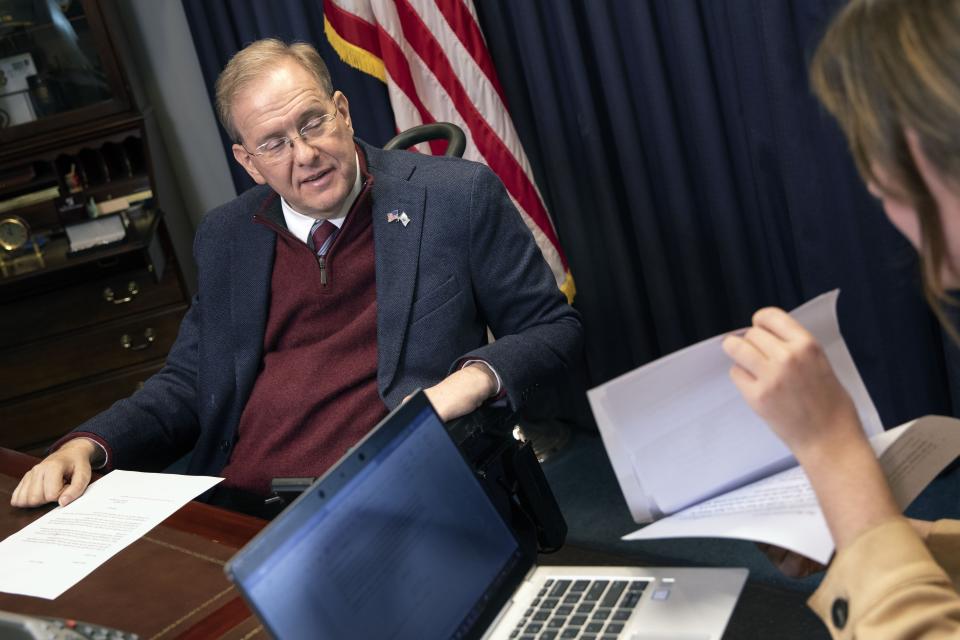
<point x="279" y="149"/>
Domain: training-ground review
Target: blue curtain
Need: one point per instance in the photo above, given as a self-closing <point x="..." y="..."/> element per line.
<point x="694" y="179"/>
<point x="692" y="176"/>
<point x="222" y="28"/>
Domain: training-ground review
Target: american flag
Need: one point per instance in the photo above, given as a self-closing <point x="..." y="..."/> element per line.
<point x="434" y="61"/>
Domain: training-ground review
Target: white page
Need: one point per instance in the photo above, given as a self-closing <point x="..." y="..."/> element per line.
<point x="96" y="232"/>
<point x="678" y="431"/>
<point x="914" y="453"/>
<point x="53" y="553"/>
<point x="783" y="510"/>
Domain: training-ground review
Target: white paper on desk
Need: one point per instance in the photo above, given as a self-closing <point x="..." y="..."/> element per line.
<point x="93" y="233"/>
<point x="53" y="553"/>
<point x="782" y="509"/>
<point x="678" y="431"/>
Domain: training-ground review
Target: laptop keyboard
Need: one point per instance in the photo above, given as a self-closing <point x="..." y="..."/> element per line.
<point x="583" y="609"/>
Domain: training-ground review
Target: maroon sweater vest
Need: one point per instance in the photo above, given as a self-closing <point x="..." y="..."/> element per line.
<point x="316" y="395"/>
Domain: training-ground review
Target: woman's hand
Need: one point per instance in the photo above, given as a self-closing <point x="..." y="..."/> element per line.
<point x="782" y="372"/>
<point x="785" y="376"/>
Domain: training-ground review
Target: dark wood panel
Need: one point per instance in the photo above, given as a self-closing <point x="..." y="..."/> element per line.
<point x="14" y="464"/>
<point x="34" y="423"/>
<point x="72" y="357"/>
<point x="49" y="146"/>
<point x="38" y="451"/>
<point x="40" y="215"/>
<point x="63" y="266"/>
<point x="86" y="304"/>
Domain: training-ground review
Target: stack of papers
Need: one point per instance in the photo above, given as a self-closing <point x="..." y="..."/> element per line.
<point x="96" y="232"/>
<point x="689" y="452"/>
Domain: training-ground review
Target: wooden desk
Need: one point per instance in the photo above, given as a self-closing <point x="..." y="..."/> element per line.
<point x="170" y="583"/>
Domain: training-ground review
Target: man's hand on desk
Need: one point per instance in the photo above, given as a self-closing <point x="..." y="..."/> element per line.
<point x="462" y="391"/>
<point x="61" y="477"/>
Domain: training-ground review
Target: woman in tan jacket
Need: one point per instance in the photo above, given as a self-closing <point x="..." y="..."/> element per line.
<point x="889" y="71"/>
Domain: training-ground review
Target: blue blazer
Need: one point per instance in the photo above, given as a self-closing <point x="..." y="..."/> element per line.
<point x="465" y="262"/>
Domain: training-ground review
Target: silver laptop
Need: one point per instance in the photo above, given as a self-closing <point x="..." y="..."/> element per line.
<point x="400" y="540"/>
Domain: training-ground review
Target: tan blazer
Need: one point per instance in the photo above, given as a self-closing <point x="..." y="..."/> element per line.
<point x="889" y="584"/>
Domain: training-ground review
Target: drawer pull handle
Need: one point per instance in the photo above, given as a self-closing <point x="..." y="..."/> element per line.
<point x="133" y="290"/>
<point x="149" y="335"/>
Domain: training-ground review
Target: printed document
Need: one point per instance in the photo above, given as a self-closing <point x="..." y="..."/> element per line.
<point x="55" y="552"/>
<point x="782" y="509"/>
<point x="683" y="441"/>
<point x="678" y="431"/>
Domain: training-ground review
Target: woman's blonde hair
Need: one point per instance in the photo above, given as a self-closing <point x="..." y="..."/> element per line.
<point x="252" y="61"/>
<point x="885" y="67"/>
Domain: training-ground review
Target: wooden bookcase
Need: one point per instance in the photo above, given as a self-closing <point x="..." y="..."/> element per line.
<point x="79" y="329"/>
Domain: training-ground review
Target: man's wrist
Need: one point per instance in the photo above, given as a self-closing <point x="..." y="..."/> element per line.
<point x="489" y="384"/>
<point x="94" y="451"/>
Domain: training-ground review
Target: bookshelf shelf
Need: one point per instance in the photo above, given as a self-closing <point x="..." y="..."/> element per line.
<point x="62" y="319"/>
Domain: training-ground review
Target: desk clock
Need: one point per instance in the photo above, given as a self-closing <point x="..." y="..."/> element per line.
<point x="14" y="232"/>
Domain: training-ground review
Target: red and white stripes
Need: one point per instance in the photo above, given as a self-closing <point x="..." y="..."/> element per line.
<point x="433" y="58"/>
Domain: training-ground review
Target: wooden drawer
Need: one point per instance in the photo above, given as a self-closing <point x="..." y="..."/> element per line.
<point x="101" y="349"/>
<point x="34" y="423"/>
<point x="84" y="305"/>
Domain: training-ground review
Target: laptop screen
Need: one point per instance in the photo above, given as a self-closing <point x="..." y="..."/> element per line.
<point x="404" y="543"/>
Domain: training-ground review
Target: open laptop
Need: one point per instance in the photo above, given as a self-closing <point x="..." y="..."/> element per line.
<point x="400" y="540"/>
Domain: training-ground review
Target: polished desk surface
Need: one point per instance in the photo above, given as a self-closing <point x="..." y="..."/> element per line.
<point x="170" y="583"/>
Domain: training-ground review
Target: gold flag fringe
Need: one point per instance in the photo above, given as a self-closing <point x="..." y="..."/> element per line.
<point x="355" y="56"/>
<point x="568" y="288"/>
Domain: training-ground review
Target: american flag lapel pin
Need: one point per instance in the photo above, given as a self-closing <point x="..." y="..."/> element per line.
<point x="393" y="216"/>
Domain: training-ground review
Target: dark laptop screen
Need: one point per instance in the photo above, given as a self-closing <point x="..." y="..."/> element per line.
<point x="410" y="547"/>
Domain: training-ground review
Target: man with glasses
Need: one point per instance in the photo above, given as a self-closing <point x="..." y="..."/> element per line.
<point x="350" y="277"/>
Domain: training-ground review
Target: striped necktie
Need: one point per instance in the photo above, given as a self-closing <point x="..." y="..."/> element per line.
<point x="322" y="234"/>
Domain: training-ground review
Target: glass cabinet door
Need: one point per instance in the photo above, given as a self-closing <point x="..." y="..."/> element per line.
<point x="56" y="66"/>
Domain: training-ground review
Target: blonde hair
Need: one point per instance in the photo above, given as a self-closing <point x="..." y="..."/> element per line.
<point x="885" y="67"/>
<point x="252" y="61"/>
